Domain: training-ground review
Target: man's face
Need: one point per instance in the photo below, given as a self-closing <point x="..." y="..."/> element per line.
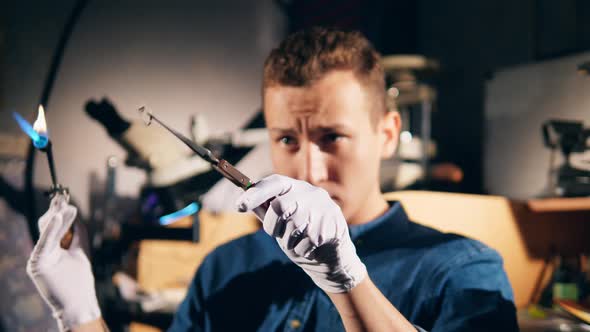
<point x="323" y="134"/>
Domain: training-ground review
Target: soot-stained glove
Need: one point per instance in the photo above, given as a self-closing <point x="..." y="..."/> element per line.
<point x="63" y="276"/>
<point x="309" y="227"/>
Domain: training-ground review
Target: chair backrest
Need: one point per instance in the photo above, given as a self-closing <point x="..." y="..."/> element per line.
<point x="523" y="238"/>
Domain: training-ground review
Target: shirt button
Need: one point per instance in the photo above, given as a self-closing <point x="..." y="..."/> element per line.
<point x="295" y="323"/>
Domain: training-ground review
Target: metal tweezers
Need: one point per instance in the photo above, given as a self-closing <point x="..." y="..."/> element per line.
<point x="222" y="166"/>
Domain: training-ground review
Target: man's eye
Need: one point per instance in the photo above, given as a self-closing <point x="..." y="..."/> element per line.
<point x="287" y="140"/>
<point x="332" y="138"/>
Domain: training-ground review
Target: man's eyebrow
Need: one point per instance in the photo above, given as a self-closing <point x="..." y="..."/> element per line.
<point x="329" y="128"/>
<point x="335" y="127"/>
<point x="282" y="130"/>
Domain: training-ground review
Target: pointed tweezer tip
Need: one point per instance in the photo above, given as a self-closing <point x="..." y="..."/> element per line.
<point x="146" y="115"/>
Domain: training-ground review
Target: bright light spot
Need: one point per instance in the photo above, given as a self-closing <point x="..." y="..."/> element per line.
<point x="393" y="91"/>
<point x="112" y="161"/>
<point x="405" y="136"/>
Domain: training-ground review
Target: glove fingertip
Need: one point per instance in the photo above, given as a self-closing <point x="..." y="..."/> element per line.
<point x="242" y="207"/>
<point x="244" y="202"/>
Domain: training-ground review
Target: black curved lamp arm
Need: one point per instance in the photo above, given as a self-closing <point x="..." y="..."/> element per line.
<point x="31" y="212"/>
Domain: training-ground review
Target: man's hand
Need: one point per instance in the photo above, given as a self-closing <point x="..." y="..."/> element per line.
<point x="310" y="228"/>
<point x="63" y="276"/>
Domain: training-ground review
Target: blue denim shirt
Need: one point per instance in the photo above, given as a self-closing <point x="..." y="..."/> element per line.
<point x="439" y="282"/>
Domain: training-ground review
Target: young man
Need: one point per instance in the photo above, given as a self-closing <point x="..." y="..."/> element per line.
<point x="332" y="254"/>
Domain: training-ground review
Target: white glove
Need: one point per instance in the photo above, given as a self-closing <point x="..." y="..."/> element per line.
<point x="310" y="228"/>
<point x="63" y="276"/>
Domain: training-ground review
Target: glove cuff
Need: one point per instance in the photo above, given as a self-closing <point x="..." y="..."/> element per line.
<point x="346" y="275"/>
<point x="68" y="322"/>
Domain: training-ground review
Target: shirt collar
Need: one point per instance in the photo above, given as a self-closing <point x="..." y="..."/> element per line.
<point x="390" y="225"/>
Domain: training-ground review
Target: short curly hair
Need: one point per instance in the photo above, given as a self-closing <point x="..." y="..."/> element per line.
<point x="307" y="55"/>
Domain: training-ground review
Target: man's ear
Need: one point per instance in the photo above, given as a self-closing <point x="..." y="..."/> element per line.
<point x="389" y="129"/>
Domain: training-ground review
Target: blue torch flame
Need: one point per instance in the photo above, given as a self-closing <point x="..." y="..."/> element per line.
<point x="188" y="210"/>
<point x="39" y="141"/>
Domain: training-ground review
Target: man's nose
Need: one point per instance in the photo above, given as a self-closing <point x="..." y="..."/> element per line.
<point x="313" y="166"/>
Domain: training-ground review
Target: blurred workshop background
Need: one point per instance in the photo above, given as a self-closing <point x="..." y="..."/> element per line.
<point x="493" y="94"/>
